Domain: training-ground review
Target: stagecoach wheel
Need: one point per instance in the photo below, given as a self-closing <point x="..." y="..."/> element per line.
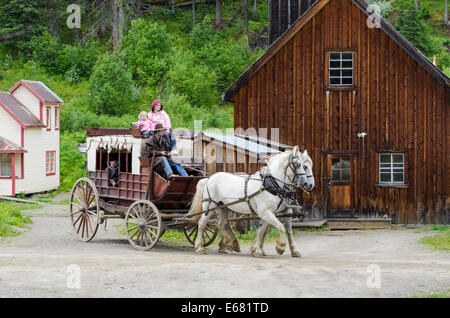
<point x="209" y="234"/>
<point x="84" y="209"/>
<point x="143" y="225"/>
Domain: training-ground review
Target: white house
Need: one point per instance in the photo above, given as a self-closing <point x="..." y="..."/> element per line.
<point x="29" y="138"/>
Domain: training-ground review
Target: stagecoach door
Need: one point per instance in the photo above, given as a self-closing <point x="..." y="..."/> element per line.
<point x="340" y="180"/>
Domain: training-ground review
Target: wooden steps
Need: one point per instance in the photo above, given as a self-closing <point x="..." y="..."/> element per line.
<point x="344" y="224"/>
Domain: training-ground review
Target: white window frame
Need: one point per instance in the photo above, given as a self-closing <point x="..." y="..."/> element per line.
<point x="6" y="163"/>
<point x="50" y="163"/>
<point x="341" y="68"/>
<point x="56" y="118"/>
<point x="48" y="113"/>
<point x="391" y="167"/>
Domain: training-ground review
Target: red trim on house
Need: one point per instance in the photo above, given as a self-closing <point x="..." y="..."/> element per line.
<point x="13" y="175"/>
<point x="40" y="110"/>
<point x="48" y="116"/>
<point x="51" y="173"/>
<point x="12" y="151"/>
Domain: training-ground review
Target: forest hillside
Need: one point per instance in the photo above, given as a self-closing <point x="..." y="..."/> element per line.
<point x="125" y="53"/>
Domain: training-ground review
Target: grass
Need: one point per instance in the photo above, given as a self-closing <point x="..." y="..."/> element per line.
<point x="12" y="218"/>
<point x="318" y="229"/>
<point x="440" y="240"/>
<point x="444" y="294"/>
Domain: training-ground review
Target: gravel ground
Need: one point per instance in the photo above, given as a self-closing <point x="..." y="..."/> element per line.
<point x="333" y="264"/>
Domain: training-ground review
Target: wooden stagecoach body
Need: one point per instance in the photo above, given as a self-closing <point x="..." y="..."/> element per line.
<point x="142" y="194"/>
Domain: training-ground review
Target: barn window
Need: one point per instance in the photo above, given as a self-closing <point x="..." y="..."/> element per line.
<point x="340" y="68"/>
<point x="392" y="168"/>
<point x="5" y="165"/>
<point x="50" y="162"/>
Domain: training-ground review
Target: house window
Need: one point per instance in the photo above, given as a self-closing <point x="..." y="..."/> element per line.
<point x="48" y="118"/>
<point x="392" y="168"/>
<point x="50" y="162"/>
<point x="5" y="165"/>
<point x="56" y="118"/>
<point x="340" y="68"/>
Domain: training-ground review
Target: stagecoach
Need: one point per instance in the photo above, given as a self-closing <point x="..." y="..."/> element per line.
<point x="149" y="203"/>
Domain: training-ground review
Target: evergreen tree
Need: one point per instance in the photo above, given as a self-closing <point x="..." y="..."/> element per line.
<point x="412" y="26"/>
<point x="20" y="21"/>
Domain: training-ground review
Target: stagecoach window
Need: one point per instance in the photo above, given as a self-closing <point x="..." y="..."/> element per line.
<point x="340" y="68"/>
<point x="392" y="168"/>
<point x="5" y="165"/>
<point x="340" y="169"/>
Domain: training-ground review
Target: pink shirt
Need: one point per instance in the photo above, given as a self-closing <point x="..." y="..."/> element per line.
<point x="160" y="117"/>
<point x="145" y="125"/>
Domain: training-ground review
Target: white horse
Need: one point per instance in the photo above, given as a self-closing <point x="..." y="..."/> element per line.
<point x="225" y="188"/>
<point x="257" y="247"/>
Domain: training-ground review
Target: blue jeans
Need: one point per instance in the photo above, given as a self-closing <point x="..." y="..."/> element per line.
<point x="171" y="143"/>
<point x="178" y="168"/>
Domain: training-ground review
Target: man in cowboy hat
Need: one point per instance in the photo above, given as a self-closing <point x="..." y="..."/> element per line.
<point x="158" y="144"/>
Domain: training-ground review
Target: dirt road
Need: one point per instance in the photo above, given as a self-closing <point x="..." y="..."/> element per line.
<point x="333" y="264"/>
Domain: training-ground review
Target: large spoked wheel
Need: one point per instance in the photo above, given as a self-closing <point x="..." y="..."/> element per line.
<point x="143" y="225"/>
<point x="209" y="234"/>
<point x="84" y="209"/>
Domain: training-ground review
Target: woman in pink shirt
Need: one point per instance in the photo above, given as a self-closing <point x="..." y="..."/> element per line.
<point x="157" y="115"/>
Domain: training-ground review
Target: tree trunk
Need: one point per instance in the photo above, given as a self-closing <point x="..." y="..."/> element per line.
<point x="193" y="11"/>
<point x="246" y="21"/>
<point x="52" y="11"/>
<point x="446" y="12"/>
<point x="173" y="7"/>
<point x="117" y="22"/>
<point x="218" y="13"/>
<point x="416" y="3"/>
<point x="254" y="8"/>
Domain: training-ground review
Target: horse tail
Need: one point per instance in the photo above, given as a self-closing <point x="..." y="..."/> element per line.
<point x="197" y="202"/>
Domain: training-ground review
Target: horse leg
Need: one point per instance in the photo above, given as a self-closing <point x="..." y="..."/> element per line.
<point x="257" y="247"/>
<point x="233" y="241"/>
<point x="271" y="219"/>
<point x="199" y="248"/>
<point x="288" y="226"/>
<point x="221" y="225"/>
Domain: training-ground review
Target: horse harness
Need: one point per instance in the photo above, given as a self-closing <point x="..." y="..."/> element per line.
<point x="269" y="184"/>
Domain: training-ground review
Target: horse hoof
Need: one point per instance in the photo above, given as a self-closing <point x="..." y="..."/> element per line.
<point x="223" y="251"/>
<point x="200" y="252"/>
<point x="259" y="255"/>
<point x="296" y="254"/>
<point x="280" y="250"/>
<point x="237" y="249"/>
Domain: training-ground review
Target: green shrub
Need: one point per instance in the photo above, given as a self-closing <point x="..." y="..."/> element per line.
<point x="192" y="79"/>
<point x="46" y="52"/>
<point x="111" y="88"/>
<point x="147" y="47"/>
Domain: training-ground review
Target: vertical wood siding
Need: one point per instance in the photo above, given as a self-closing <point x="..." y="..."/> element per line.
<point x="396" y="102"/>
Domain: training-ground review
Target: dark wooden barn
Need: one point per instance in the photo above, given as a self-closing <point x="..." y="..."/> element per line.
<point x="371" y="110"/>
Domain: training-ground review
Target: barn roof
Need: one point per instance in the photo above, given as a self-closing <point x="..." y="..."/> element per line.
<point x="242" y="143"/>
<point x="40" y="90"/>
<point x="305" y="18"/>
<point x="7" y="146"/>
<point x="18" y="111"/>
